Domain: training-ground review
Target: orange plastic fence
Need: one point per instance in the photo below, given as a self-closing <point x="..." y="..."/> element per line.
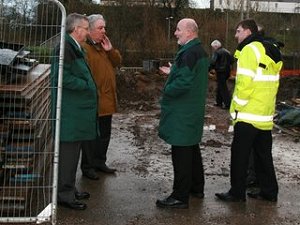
<point x="283" y="73"/>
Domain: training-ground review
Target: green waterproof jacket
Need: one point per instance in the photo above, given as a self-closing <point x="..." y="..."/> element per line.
<point x="79" y="95"/>
<point x="183" y="97"/>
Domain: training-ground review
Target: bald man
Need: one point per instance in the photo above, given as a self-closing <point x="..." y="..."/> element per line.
<point x="182" y="115"/>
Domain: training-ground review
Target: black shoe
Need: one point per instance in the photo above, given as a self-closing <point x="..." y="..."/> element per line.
<point x="227" y="197"/>
<point x="170" y="202"/>
<point x="261" y="196"/>
<point x="197" y="194"/>
<point x="82" y="195"/>
<point x="90" y="174"/>
<point x="105" y="169"/>
<point x="252" y="184"/>
<point x="73" y="205"/>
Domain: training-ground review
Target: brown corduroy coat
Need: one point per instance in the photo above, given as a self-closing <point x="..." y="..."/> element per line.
<point x="103" y="64"/>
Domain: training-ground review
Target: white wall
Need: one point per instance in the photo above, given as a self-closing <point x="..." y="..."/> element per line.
<point x="262" y="6"/>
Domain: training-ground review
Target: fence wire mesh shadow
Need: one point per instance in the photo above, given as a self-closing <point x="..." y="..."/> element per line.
<point x="27" y="146"/>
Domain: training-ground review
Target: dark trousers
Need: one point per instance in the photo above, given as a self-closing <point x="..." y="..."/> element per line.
<point x="88" y="155"/>
<point x="223" y="95"/>
<point x="251" y="176"/>
<point x="188" y="171"/>
<point x="246" y="137"/>
<point x="102" y="141"/>
<point x="94" y="152"/>
<point x="69" y="153"/>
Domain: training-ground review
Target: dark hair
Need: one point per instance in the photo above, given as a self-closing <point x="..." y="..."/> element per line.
<point x="248" y="24"/>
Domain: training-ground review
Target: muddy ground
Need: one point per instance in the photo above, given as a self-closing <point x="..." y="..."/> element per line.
<point x="145" y="171"/>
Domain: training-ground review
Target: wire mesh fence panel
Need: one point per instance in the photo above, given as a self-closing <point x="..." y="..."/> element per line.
<point x="29" y="30"/>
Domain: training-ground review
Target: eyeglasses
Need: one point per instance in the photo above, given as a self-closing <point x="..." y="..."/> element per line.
<point x="101" y="27"/>
<point x="86" y="28"/>
<point x="98" y="28"/>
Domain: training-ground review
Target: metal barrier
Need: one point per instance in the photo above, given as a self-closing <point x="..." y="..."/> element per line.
<point x="28" y="149"/>
<point x="131" y="69"/>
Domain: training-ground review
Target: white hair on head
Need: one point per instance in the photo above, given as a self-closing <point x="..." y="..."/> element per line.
<point x="216" y="44"/>
<point x="93" y="18"/>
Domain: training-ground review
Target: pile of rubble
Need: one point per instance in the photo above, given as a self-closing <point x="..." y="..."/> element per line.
<point x="141" y="90"/>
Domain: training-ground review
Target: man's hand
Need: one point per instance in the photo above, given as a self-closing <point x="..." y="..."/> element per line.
<point x="165" y="69"/>
<point x="106" y="44"/>
<point x="212" y="74"/>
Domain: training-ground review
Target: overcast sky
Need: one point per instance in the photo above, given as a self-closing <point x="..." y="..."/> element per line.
<point x="201" y="3"/>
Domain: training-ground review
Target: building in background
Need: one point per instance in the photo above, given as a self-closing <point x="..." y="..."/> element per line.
<point x="157" y="3"/>
<point x="277" y="6"/>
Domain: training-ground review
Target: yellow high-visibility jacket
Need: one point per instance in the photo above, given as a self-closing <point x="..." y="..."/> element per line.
<point x="257" y="81"/>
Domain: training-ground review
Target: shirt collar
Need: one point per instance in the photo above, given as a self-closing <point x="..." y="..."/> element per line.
<point x="77" y="43"/>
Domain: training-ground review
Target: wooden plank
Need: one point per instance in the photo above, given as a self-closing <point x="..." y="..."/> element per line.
<point x="33" y="78"/>
<point x="30" y="138"/>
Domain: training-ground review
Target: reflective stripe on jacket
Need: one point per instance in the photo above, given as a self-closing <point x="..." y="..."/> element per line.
<point x="257" y="81"/>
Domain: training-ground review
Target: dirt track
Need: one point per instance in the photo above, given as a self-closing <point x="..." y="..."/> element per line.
<point x="145" y="174"/>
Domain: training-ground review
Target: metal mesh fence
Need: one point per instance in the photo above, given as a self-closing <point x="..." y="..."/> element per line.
<point x="29" y="30"/>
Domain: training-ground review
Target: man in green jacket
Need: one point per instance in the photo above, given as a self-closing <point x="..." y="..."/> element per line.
<point x="78" y="109"/>
<point x="182" y="115"/>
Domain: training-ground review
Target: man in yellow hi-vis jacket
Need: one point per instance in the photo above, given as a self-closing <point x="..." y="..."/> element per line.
<point x="252" y="109"/>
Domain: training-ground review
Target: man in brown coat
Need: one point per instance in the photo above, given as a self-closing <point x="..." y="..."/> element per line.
<point x="102" y="59"/>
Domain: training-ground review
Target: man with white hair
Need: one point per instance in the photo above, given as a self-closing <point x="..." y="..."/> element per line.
<point x="103" y="59"/>
<point x="182" y="115"/>
<point x="221" y="62"/>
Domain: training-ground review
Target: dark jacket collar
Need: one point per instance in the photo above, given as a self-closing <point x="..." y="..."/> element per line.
<point x="192" y="42"/>
<point x="248" y="40"/>
<point x="271" y="49"/>
<point x="91" y="42"/>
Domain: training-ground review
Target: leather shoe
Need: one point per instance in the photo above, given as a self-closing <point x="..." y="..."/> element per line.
<point x="197" y="194"/>
<point x="82" y="195"/>
<point x="170" y="202"/>
<point x="105" y="169"/>
<point x="90" y="174"/>
<point x="227" y="197"/>
<point x="252" y="183"/>
<point x="261" y="196"/>
<point x="73" y="205"/>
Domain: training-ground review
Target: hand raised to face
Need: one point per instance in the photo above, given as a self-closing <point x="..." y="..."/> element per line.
<point x="106" y="44"/>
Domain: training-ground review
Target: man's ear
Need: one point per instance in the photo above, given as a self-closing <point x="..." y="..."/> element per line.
<point x="249" y="32"/>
